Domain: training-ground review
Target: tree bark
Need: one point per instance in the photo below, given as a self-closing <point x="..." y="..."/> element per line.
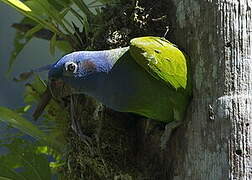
<point x="216" y="141"/>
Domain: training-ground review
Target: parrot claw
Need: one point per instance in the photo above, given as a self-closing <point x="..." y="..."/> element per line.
<point x="167" y="133"/>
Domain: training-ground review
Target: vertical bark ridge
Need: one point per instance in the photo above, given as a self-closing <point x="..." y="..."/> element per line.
<point x="216" y="34"/>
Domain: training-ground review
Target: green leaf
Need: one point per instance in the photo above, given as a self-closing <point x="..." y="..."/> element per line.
<point x="33" y="30"/>
<point x="23" y="109"/>
<point x="34" y="90"/>
<point x="55" y="117"/>
<point x="64" y="46"/>
<point x="43" y="7"/>
<point x="36" y="12"/>
<point x="103" y="2"/>
<point x="22" y="156"/>
<point x="9" y="172"/>
<point x="83" y="7"/>
<point x="39" y="85"/>
<point x="20" y="42"/>
<point x="17" y="4"/>
<point x="53" y="44"/>
<point x="86" y="26"/>
<point x="60" y="4"/>
<point x="4" y="178"/>
<point x="15" y="120"/>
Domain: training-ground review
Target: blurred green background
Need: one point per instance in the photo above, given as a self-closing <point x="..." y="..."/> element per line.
<point x="35" y="54"/>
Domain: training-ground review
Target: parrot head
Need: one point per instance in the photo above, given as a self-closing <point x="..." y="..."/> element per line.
<point x="74" y="65"/>
<point x="79" y="70"/>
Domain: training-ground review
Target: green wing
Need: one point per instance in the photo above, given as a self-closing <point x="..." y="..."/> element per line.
<point x="162" y="59"/>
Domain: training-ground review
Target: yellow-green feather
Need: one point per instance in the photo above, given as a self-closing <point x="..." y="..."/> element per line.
<point x="162" y="59"/>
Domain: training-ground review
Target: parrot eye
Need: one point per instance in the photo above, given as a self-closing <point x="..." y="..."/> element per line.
<point x="71" y="67"/>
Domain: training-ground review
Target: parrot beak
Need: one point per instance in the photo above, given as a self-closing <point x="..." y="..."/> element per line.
<point x="56" y="82"/>
<point x="57" y="86"/>
<point x="55" y="73"/>
<point x="55" y="77"/>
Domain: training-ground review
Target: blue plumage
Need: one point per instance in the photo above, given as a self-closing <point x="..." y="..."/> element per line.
<point x="103" y="60"/>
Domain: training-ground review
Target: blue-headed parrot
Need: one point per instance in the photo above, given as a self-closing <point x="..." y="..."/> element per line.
<point x="150" y="78"/>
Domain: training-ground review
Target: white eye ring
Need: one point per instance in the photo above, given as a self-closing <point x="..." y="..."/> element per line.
<point x="71" y="67"/>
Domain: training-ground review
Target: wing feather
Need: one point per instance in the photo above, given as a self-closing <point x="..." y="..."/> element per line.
<point x="162" y="59"/>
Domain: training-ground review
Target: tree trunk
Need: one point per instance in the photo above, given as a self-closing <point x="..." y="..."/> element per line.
<point x="216" y="142"/>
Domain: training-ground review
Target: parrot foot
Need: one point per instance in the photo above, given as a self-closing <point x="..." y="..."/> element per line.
<point x="167" y="133"/>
